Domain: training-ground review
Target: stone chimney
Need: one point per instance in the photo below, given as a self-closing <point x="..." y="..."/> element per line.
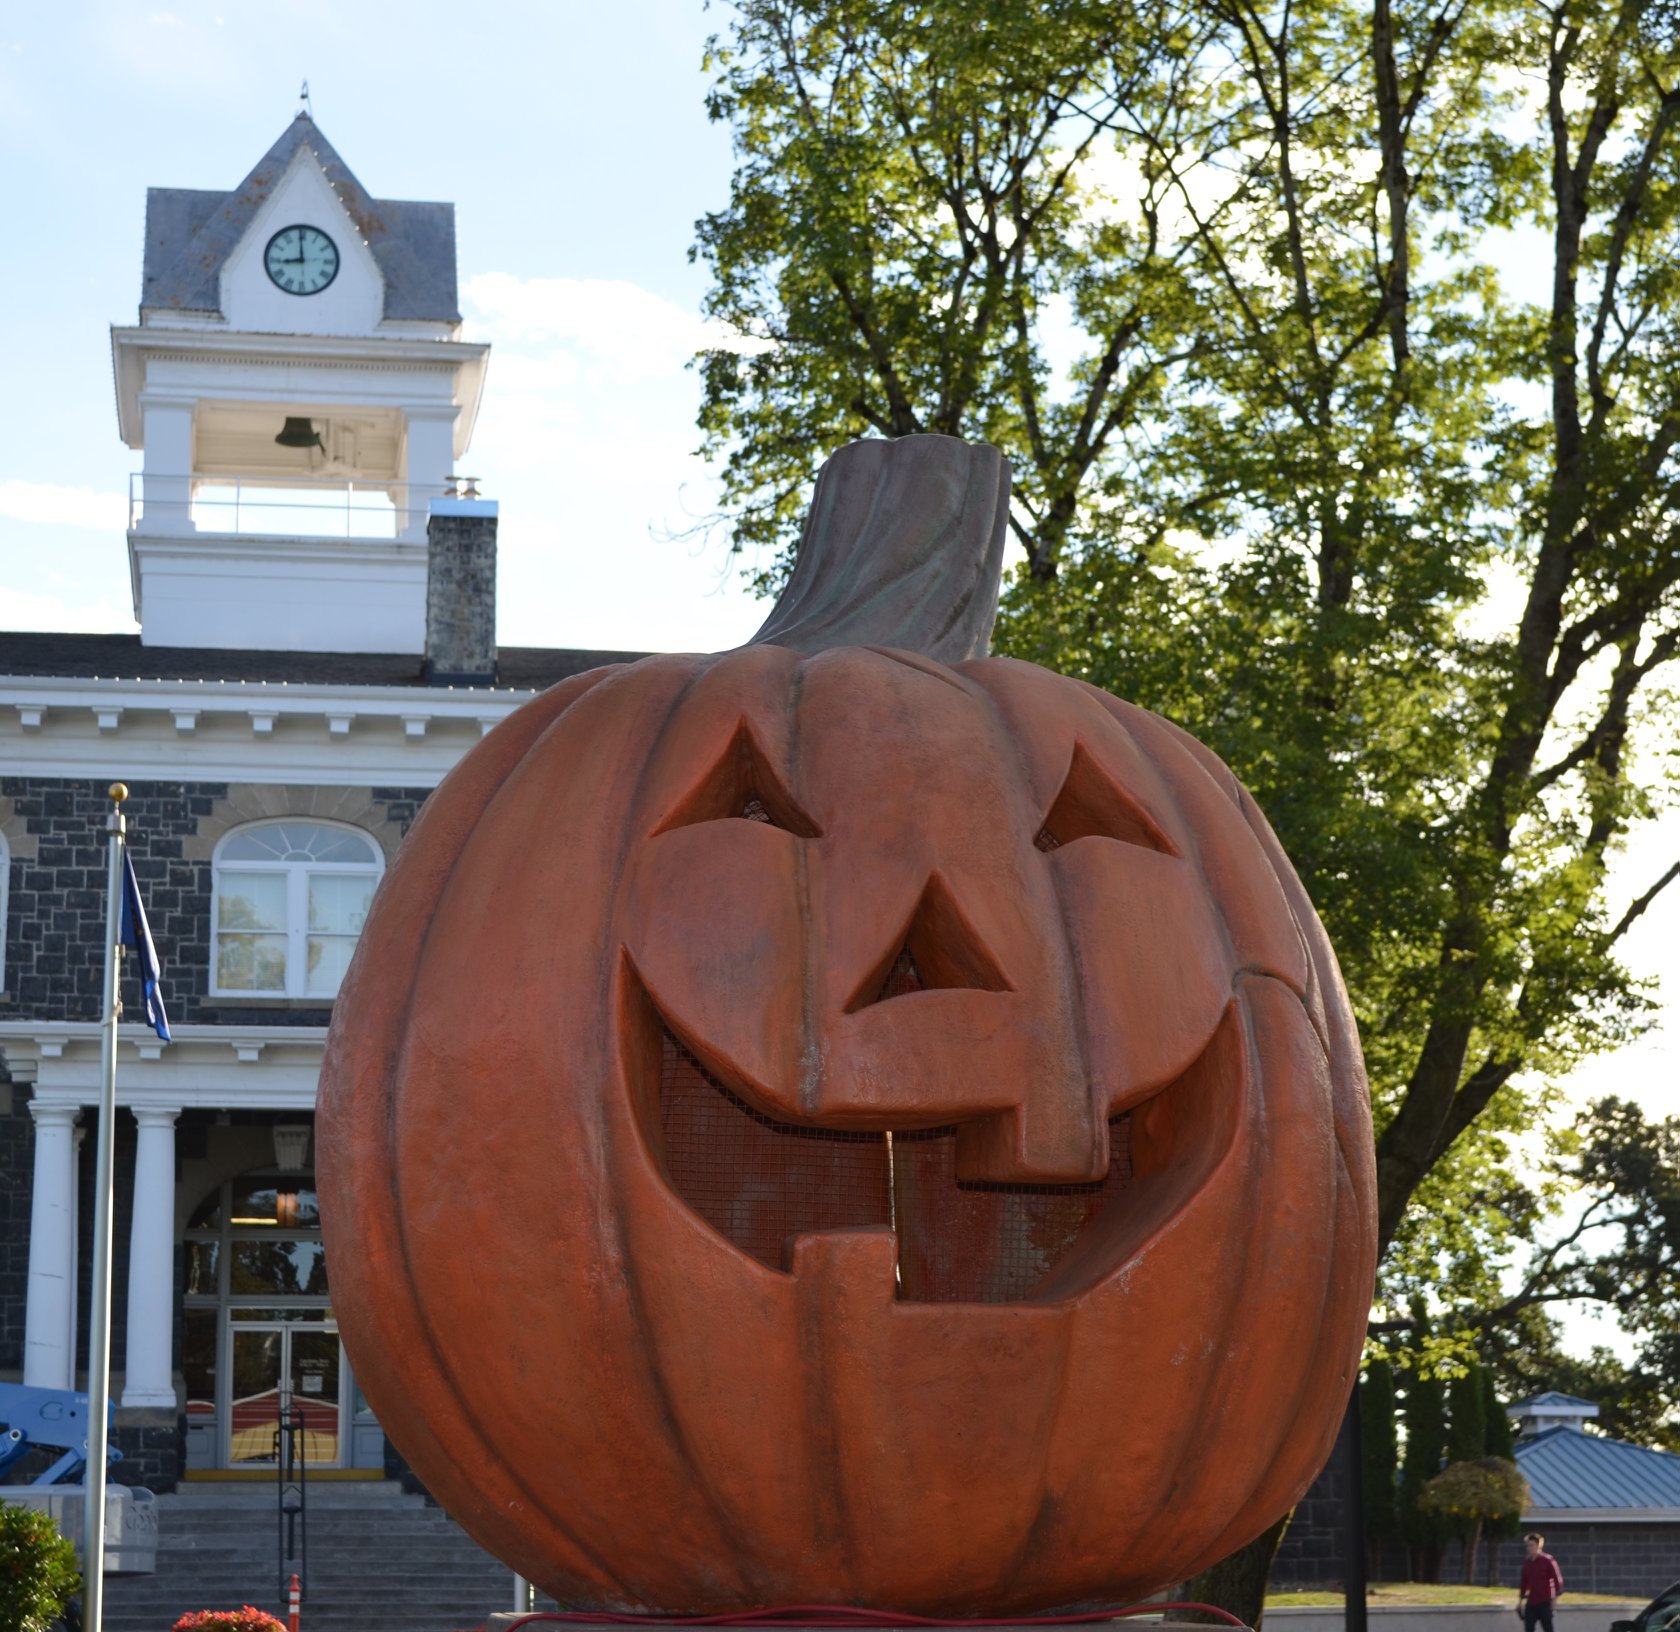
<point x="461" y="592"/>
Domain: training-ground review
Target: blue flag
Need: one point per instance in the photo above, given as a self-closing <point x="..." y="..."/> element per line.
<point x="137" y="934"/>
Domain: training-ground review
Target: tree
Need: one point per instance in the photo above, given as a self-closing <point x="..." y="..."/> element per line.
<point x="1469" y="1495"/>
<point x="1382" y="1458"/>
<point x="1498" y="1441"/>
<point x="1618" y="1246"/>
<point x="1466" y="1415"/>
<point x="1296" y="464"/>
<point x="1292" y="465"/>
<point x="1426" y="1443"/>
<point x="1498" y="1444"/>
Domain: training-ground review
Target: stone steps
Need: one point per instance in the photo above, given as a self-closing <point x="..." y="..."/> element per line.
<point x="380" y="1560"/>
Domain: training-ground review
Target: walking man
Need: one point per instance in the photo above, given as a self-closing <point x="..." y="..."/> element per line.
<point x="1541" y="1582"/>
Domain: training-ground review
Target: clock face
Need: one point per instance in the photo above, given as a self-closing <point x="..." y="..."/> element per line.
<point x="301" y="260"/>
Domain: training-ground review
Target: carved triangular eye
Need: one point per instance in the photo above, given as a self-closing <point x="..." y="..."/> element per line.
<point x="741" y="784"/>
<point x="938" y="950"/>
<point x="1092" y="805"/>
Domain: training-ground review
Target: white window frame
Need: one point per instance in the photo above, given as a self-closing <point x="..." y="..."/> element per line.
<point x="297" y="874"/>
<point x="5" y="903"/>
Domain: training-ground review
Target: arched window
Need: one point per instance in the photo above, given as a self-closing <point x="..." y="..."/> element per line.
<point x="290" y="900"/>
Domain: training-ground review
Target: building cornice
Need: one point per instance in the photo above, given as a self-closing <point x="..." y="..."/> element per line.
<point x="243" y="730"/>
<point x="215" y="1067"/>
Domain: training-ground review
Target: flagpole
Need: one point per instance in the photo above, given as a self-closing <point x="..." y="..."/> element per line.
<point x="99" y="1325"/>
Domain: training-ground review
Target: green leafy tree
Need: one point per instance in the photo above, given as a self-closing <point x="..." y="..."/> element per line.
<point x="1466" y="1415"/>
<point x="1380" y="1433"/>
<point x="1498" y="1441"/>
<point x="1426" y="1445"/>
<point x="1293" y="464"/>
<point x="1469" y="1495"/>
<point x="1621" y="1250"/>
<point x="1499" y="1444"/>
<point x="1297" y="462"/>
<point x="38" y="1574"/>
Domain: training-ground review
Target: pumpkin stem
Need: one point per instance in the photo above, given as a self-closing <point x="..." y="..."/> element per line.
<point x="903" y="547"/>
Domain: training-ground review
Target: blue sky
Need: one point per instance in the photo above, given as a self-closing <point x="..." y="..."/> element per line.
<point x="572" y="140"/>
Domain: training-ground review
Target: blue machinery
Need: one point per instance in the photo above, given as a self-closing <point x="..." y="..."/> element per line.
<point x="54" y="1418"/>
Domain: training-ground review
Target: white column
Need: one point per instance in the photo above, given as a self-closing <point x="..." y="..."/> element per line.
<point x="429" y="459"/>
<point x="151" y="1262"/>
<point x="49" y="1314"/>
<point x="166" y="482"/>
<point x="78" y="1135"/>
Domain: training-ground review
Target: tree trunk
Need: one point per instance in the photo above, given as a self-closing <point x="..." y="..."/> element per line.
<point x="1470" y="1546"/>
<point x="1236" y="1584"/>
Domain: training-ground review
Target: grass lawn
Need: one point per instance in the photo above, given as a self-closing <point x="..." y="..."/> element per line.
<point x="1422" y="1592"/>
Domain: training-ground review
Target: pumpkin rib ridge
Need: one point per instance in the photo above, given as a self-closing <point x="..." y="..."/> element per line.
<point x="1169" y="1476"/>
<point x="443" y="1371"/>
<point x="979" y="671"/>
<point x="1243" y="1529"/>
<point x="1046" y="1503"/>
<point x="931" y="667"/>
<point x="645" y="1355"/>
<point x="808" y="1079"/>
<point x="1182" y="1481"/>
<point x="1284" y="1421"/>
<point x="648" y="1347"/>
<point x="1185" y="768"/>
<point x="1314" y="1384"/>
<point x="1136" y="723"/>
<point x="420" y="1327"/>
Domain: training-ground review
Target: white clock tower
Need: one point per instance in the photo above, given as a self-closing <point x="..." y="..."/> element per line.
<point x="299" y="387"/>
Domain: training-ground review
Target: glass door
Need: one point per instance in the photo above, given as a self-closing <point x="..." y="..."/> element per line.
<point x="254" y="1374"/>
<point x="281" y="1365"/>
<point x="314" y="1366"/>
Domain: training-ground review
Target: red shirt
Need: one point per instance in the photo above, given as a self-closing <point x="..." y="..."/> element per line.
<point x="1542" y="1580"/>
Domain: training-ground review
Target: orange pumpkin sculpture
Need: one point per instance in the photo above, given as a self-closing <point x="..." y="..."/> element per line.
<point x="850" y="1120"/>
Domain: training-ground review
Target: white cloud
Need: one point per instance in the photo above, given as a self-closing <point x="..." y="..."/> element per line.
<point x="619" y="326"/>
<point x="44" y="503"/>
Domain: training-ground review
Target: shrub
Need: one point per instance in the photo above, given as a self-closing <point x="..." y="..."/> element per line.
<point x="246" y="1619"/>
<point x="38" y="1573"/>
<point x="1489" y="1490"/>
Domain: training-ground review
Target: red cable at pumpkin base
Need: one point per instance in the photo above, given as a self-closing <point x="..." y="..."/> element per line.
<point x="846" y="1615"/>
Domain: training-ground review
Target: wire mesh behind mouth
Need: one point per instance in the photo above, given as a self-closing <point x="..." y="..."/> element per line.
<point x="761" y="1182"/>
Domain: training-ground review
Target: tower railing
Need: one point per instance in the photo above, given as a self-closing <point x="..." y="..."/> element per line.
<point x="286" y="506"/>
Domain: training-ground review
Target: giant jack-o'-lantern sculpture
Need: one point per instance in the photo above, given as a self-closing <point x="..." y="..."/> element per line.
<point x="850" y="1120"/>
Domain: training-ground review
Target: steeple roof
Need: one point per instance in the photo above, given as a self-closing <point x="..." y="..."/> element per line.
<point x="191" y="232"/>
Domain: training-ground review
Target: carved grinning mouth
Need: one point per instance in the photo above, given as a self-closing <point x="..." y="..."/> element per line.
<point x="761" y="1182"/>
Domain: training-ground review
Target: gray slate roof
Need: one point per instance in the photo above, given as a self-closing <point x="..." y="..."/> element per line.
<point x="1568" y="1468"/>
<point x="1551" y="1400"/>
<point x="122" y="657"/>
<point x="190" y="233"/>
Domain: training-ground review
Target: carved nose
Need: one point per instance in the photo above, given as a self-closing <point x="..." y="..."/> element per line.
<point x="938" y="950"/>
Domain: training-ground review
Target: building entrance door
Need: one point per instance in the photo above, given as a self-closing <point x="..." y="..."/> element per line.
<point x="275" y="1366"/>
